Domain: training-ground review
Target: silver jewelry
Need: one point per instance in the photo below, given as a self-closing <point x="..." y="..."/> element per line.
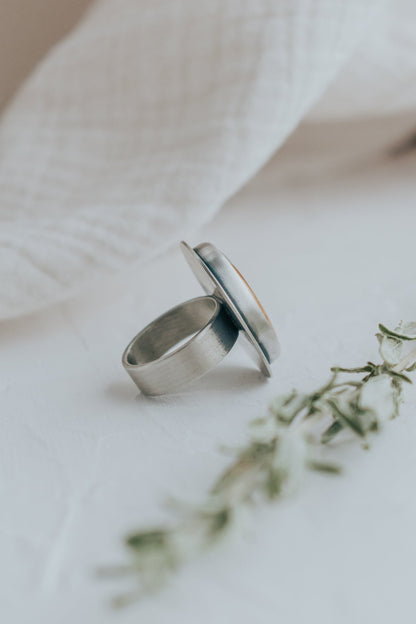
<point x="190" y="339"/>
<point x="157" y="369"/>
<point x="218" y="276"/>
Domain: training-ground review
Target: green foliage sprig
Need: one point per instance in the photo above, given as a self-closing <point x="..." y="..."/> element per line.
<point x="292" y="438"/>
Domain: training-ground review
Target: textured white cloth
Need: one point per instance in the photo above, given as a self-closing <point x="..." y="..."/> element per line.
<point x="139" y="125"/>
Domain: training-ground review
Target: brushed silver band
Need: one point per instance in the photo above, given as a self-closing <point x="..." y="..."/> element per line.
<point x="157" y="367"/>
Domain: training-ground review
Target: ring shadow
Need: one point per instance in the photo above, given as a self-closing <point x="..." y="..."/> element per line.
<point x="223" y="380"/>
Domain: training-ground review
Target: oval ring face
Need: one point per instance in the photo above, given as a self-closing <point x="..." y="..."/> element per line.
<point x="218" y="276"/>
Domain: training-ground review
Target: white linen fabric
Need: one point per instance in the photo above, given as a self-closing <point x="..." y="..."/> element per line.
<point x="139" y="125"/>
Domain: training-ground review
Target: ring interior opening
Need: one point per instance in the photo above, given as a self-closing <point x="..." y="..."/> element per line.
<point x="171" y="329"/>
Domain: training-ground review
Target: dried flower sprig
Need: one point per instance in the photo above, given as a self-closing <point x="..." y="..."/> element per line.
<point x="292" y="438"/>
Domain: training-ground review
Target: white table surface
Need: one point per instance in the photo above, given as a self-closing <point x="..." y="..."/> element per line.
<point x="83" y="459"/>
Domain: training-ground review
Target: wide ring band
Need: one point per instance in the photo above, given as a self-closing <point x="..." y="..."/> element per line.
<point x="155" y="362"/>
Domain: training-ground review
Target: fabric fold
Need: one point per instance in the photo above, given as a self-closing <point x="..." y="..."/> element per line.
<point x="145" y="119"/>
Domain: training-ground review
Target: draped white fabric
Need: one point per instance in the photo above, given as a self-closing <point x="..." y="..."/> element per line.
<point x="138" y="126"/>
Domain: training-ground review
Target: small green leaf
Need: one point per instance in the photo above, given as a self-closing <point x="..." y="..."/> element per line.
<point x="332" y="431"/>
<point x="273" y="483"/>
<point x="316" y="464"/>
<point x="347" y="419"/>
<point x="147" y="539"/>
<point x="400" y="376"/>
<point x="397" y="334"/>
<point x="220" y="520"/>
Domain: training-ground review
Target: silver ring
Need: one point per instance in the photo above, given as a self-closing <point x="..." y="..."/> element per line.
<point x="218" y="276"/>
<point x="158" y="360"/>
